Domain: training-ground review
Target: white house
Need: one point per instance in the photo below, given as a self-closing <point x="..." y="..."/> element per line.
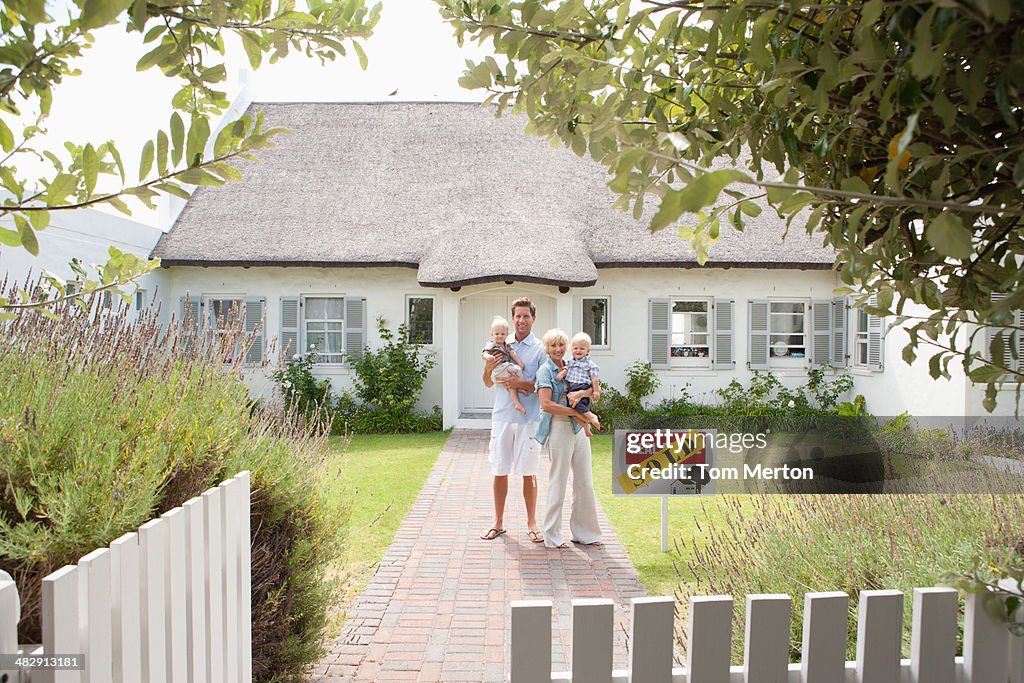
<point x="439" y="215"/>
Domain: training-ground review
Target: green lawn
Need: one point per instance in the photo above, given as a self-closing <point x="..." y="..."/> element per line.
<point x="637" y="523"/>
<point x="375" y="482"/>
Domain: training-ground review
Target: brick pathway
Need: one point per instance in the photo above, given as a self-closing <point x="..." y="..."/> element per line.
<point x="437" y="608"/>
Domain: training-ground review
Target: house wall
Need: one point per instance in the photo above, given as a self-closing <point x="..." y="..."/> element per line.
<point x="385" y="290"/>
<point x="897" y="389"/>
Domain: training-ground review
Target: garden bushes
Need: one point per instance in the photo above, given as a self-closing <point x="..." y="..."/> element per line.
<point x="105" y="425"/>
<point x="388" y="382"/>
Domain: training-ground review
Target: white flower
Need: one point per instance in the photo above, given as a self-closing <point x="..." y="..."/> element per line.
<point x="792" y="404"/>
<point x="297" y="356"/>
<point x="286" y="384"/>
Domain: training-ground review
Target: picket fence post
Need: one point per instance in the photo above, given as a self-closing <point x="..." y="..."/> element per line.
<point x="170" y="602"/>
<point x="991" y="652"/>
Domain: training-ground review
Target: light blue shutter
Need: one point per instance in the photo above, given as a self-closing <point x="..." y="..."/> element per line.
<point x="290" y="320"/>
<point x="821" y="329"/>
<point x="876" y="341"/>
<point x="725" y="345"/>
<point x="255" y="330"/>
<point x="355" y="327"/>
<point x="190" y="309"/>
<point x="660" y="332"/>
<point x="758" y="322"/>
<point x="839" y="324"/>
<point x="191" y="321"/>
<point x="999" y="341"/>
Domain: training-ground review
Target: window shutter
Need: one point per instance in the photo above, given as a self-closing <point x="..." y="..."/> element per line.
<point x="577" y="315"/>
<point x="725" y="347"/>
<point x="255" y="330"/>
<point x="1004" y="336"/>
<point x="191" y="322"/>
<point x="839" y="326"/>
<point x="355" y="327"/>
<point x="290" y="312"/>
<point x="190" y="309"/>
<point x="660" y="332"/>
<point x="758" y="322"/>
<point x="821" y="326"/>
<point x="875" y="339"/>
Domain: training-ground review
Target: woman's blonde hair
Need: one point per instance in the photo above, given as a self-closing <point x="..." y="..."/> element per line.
<point x="553" y="335"/>
<point x="499" y="322"/>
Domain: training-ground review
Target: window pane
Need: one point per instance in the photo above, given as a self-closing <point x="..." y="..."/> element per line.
<point x="595" y="320"/>
<point x="787" y="307"/>
<point x="690" y="307"/>
<point x="421" y="320"/>
<point x="690" y="329"/>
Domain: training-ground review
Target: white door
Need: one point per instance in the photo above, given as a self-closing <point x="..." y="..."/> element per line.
<point x="478" y="311"/>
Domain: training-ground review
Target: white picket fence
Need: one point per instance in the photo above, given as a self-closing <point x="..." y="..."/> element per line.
<point x="168" y="603"/>
<point x="990" y="653"/>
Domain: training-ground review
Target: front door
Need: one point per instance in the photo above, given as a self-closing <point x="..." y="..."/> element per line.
<point x="478" y="311"/>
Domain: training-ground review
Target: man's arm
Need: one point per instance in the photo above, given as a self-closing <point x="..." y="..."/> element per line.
<point x="518" y="384"/>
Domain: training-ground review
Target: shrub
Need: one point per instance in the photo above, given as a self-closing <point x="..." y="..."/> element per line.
<point x="641" y="382"/>
<point x="803" y="543"/>
<point x="389" y="381"/>
<point x="104" y="426"/>
<point x="301" y="390"/>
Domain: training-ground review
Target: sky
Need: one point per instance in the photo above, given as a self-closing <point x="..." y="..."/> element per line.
<point x="412" y="51"/>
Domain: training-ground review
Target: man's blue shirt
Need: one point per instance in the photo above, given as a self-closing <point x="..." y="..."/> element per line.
<point x="531" y="352"/>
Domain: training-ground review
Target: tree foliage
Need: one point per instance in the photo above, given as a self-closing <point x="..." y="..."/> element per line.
<point x="891" y="127"/>
<point x="186" y="41"/>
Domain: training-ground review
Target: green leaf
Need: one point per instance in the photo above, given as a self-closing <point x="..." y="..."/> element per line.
<point x="6" y="137"/>
<point x="253" y="48"/>
<point x="39" y="219"/>
<point x="700" y="192"/>
<point x="363" y="61"/>
<point x="138" y="14"/>
<point x="177" y="138"/>
<point x="90" y="167"/>
<point x="28" y="236"/>
<point x="198" y="135"/>
<point x="59" y="188"/>
<point x="751" y="209"/>
<point x="97" y="13"/>
<point x="948" y="235"/>
<point x="146" y="163"/>
<point x="10" y="238"/>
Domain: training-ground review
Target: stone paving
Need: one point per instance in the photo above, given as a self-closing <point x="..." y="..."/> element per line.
<point x="437" y="608"/>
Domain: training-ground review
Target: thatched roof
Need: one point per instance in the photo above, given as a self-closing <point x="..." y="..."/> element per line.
<point x="446" y="188"/>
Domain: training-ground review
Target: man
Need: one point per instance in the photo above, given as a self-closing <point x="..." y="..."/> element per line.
<point x="512" y="448"/>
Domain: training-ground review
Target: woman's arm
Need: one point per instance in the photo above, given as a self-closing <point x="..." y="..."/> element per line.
<point x="574" y="397"/>
<point x="549" y="406"/>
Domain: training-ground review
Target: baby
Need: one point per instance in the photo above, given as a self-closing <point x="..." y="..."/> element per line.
<point x="582" y="373"/>
<point x="509" y="364"/>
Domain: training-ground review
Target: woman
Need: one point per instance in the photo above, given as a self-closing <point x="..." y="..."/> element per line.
<point x="568" y="450"/>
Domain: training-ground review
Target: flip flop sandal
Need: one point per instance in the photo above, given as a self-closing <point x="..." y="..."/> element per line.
<point x="536" y="536"/>
<point x="492" y="534"/>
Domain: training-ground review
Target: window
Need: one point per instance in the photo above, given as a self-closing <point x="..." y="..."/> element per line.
<point x="595" y="320"/>
<point x="224" y="315"/>
<point x="140" y="299"/>
<point x="691" y="334"/>
<point x="787" y="330"/>
<point x="323" y="322"/>
<point x="420" y="317"/>
<point x="860" y="343"/>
